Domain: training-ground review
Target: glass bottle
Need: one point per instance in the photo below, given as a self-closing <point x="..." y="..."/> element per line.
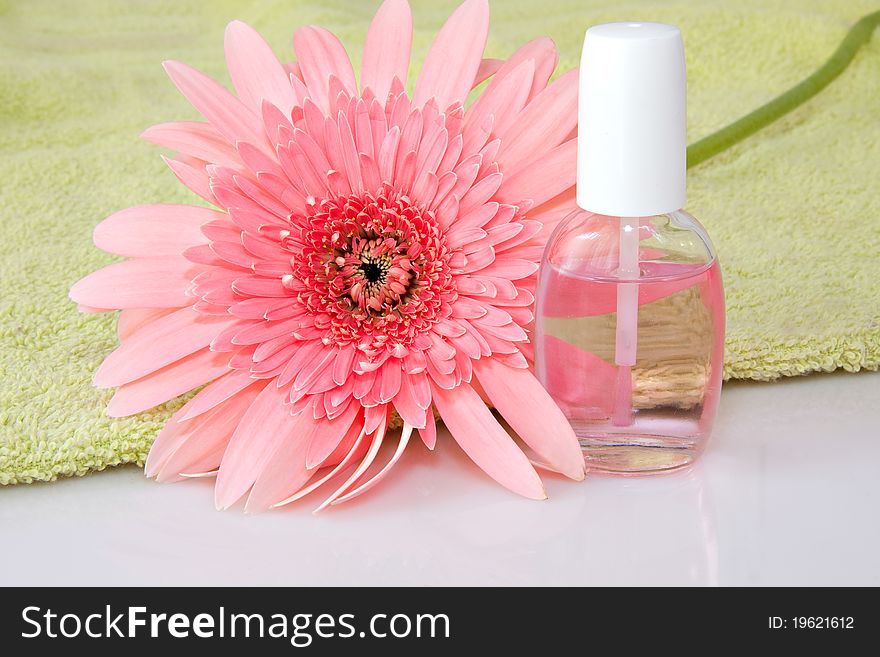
<point x="629" y="328"/>
<point x="632" y="351"/>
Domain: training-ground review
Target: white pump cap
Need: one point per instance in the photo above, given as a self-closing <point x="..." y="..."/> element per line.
<point x="632" y="145"/>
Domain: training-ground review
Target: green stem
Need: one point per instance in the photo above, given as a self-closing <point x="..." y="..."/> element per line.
<point x="859" y="35"/>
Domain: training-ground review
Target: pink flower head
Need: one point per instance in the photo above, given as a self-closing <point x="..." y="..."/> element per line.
<point x="370" y="252"/>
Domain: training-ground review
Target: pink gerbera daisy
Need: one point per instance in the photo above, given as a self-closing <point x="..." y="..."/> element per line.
<point x="370" y="252"/>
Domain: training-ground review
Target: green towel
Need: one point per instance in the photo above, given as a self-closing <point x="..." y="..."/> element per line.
<point x="793" y="210"/>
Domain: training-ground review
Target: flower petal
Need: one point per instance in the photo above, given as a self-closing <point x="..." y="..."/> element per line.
<point x="327" y="436"/>
<point x="169" y="440"/>
<point x="138" y="283"/>
<point x="197" y="446"/>
<point x="192" y="174"/>
<point x="158" y="344"/>
<point x="357" y="443"/>
<point x="390" y="381"/>
<point x="387" y="48"/>
<point x="409" y="402"/>
<point x="545" y="123"/>
<point x="405" y="435"/>
<point x="429" y="433"/>
<point x="511" y="269"/>
<point x="132" y="319"/>
<point x="154" y="230"/>
<point x="167" y="383"/>
<point x="504" y="98"/>
<point x="255" y="70"/>
<point x="320" y="56"/>
<point x="485" y="441"/>
<point x="542" y="178"/>
<point x="532" y="413"/>
<point x="193" y="138"/>
<point x="223" y="110"/>
<point x="542" y="51"/>
<point x="216" y="393"/>
<point x="488" y="67"/>
<point x="363" y="466"/>
<point x="285" y="473"/>
<point x="265" y="425"/>
<point x="173" y="435"/>
<point x="454" y="58"/>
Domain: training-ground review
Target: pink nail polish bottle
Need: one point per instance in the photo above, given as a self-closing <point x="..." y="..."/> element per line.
<point x="629" y="335"/>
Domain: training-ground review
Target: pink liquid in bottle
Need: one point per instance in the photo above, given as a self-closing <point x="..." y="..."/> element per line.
<point x="629" y="339"/>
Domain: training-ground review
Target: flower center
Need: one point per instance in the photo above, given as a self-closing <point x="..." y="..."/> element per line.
<point x="373" y="269"/>
<point x="374" y="272"/>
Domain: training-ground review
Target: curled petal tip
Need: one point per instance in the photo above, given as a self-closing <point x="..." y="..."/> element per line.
<point x="220" y="501"/>
<point x="323" y="506"/>
<point x="536" y="491"/>
<point x="199" y="475"/>
<point x="99" y="382"/>
<point x="253" y="509"/>
<point x="577" y="474"/>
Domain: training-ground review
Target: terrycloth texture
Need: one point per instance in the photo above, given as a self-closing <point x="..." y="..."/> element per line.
<point x="793" y="211"/>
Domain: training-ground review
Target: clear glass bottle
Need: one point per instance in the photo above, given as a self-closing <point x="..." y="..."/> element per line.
<point x="629" y="330"/>
<point x="632" y="351"/>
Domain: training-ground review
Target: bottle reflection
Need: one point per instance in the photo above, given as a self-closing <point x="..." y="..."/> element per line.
<point x="657" y="531"/>
<point x="627" y="531"/>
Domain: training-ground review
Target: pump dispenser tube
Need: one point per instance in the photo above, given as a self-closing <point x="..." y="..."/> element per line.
<point x="626" y="336"/>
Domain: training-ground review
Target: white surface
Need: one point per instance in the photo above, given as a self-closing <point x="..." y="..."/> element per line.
<point x="788" y="493"/>
<point x="632" y="120"/>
